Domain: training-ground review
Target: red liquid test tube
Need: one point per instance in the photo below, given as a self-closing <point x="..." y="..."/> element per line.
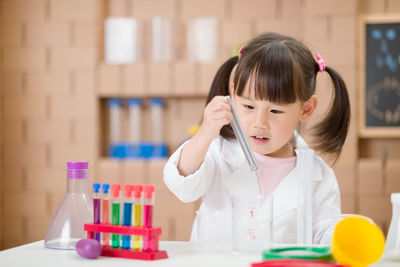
<point x="148" y="217"/>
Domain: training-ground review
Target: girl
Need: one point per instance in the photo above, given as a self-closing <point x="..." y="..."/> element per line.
<point x="272" y="86"/>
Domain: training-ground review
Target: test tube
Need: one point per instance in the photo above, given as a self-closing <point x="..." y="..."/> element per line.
<point x="156" y="105"/>
<point x="115" y="105"/>
<point x="127" y="214"/>
<point x="137" y="221"/>
<point x="96" y="208"/>
<point x="105" y="219"/>
<point x="134" y="120"/>
<point x="148" y="216"/>
<point x="242" y="139"/>
<point x="134" y="128"/>
<point x="115" y="213"/>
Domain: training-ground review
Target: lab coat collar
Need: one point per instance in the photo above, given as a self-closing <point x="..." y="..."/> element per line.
<point x="232" y="152"/>
<point x="242" y="181"/>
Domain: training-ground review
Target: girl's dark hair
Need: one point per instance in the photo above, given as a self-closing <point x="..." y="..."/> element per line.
<point x="283" y="70"/>
<point x="220" y="86"/>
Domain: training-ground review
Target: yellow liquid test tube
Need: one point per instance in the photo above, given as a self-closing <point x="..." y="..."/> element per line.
<point x="137" y="239"/>
<point x="137" y="216"/>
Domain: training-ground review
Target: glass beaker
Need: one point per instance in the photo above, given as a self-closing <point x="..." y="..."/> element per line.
<point x="252" y="223"/>
<point x="75" y="210"/>
<point x="392" y="247"/>
<point x="210" y="229"/>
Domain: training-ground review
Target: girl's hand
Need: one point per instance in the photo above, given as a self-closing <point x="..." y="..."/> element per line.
<point x="216" y="114"/>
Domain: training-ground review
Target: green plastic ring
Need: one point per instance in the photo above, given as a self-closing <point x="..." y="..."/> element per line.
<point x="307" y="253"/>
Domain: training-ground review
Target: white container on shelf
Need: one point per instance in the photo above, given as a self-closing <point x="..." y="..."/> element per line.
<point x="121" y="40"/>
<point x="161" y="39"/>
<point x="202" y="39"/>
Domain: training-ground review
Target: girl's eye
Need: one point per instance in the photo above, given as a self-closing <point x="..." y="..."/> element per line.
<point x="248" y="107"/>
<point x="276" y="111"/>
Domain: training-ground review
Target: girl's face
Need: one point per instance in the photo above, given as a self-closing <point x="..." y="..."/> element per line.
<point x="269" y="126"/>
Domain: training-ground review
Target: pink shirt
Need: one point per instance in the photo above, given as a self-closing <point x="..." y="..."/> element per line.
<point x="272" y="171"/>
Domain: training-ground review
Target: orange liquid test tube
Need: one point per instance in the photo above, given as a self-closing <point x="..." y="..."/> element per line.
<point x="105" y="218"/>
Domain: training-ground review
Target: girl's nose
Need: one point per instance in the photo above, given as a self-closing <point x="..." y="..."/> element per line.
<point x="261" y="120"/>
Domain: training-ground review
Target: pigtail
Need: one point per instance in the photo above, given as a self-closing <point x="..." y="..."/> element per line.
<point x="220" y="86"/>
<point x="220" y="83"/>
<point x="331" y="132"/>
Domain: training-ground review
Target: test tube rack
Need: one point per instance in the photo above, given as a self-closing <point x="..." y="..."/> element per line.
<point x="109" y="251"/>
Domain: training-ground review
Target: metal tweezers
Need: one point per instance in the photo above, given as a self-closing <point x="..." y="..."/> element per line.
<point x="241" y="137"/>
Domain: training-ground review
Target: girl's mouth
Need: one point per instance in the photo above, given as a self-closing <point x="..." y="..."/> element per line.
<point x="260" y="139"/>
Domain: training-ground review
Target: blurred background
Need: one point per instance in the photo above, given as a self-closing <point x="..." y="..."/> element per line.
<point x="64" y="61"/>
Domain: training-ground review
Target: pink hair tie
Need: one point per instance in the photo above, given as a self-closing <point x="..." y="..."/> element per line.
<point x="241" y="51"/>
<point x="321" y="63"/>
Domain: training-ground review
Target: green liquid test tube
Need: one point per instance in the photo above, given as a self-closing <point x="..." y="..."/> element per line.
<point x="115" y="213"/>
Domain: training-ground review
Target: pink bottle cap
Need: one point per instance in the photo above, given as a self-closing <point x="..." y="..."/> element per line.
<point x="77" y="165"/>
<point x="128" y="188"/>
<point x="148" y="191"/>
<point x="115" y="188"/>
<point x="138" y="189"/>
<point x="77" y="169"/>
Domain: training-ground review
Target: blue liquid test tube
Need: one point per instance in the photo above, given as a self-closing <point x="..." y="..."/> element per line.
<point x="127" y="214"/>
<point x="96" y="208"/>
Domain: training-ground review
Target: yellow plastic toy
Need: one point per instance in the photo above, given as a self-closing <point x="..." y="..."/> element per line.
<point x="193" y="129"/>
<point x="357" y="242"/>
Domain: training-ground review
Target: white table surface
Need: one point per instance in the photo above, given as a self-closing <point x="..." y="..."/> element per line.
<point x="179" y="254"/>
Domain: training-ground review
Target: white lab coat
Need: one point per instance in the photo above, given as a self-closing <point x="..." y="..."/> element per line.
<point x="225" y="173"/>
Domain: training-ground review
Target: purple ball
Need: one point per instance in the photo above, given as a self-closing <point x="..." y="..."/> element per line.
<point x="88" y="248"/>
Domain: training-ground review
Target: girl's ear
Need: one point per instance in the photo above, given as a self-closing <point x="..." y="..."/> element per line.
<point x="308" y="108"/>
<point x="231" y="88"/>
